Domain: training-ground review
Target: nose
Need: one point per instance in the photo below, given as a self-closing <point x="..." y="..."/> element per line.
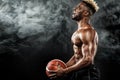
<point x="74" y="10"/>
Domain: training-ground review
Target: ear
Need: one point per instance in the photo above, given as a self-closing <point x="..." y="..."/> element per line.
<point x="86" y="13"/>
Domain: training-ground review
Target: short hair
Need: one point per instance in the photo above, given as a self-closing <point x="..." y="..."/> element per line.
<point x="92" y="5"/>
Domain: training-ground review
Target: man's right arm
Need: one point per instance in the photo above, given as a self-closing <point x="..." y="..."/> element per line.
<point x="71" y="61"/>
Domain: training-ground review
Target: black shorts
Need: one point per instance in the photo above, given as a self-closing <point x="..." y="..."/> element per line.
<point x="87" y="73"/>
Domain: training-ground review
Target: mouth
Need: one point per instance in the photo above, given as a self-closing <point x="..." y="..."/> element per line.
<point x="73" y="14"/>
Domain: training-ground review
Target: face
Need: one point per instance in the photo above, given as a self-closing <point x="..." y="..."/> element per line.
<point x="78" y="11"/>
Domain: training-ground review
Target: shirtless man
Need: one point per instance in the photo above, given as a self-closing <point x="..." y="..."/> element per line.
<point x="85" y="40"/>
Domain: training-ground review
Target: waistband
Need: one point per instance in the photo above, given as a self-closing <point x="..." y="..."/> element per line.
<point x="88" y="67"/>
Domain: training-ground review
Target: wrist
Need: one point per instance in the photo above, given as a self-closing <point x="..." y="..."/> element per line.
<point x="66" y="70"/>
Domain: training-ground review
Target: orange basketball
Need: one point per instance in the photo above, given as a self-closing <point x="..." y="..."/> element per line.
<point x="54" y="65"/>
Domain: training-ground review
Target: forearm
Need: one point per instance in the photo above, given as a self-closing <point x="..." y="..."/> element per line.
<point x="71" y="61"/>
<point x="82" y="63"/>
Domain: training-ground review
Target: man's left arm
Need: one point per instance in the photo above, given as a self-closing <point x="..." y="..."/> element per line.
<point x="87" y="53"/>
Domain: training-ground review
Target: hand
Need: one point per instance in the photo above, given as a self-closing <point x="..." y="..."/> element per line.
<point x="57" y="73"/>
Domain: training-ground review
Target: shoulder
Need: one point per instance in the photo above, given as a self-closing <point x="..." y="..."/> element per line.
<point x="87" y="30"/>
<point x="87" y="34"/>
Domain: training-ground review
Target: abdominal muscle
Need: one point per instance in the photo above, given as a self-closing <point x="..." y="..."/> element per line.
<point x="77" y="53"/>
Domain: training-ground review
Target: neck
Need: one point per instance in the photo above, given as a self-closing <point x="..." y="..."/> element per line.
<point x="83" y="22"/>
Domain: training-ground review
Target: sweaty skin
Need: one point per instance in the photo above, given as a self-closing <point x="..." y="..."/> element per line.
<point x="84" y="40"/>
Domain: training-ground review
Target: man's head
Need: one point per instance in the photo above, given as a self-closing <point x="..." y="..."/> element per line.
<point x="84" y="9"/>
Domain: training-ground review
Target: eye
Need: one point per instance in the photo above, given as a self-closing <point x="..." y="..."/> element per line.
<point x="79" y="7"/>
<point x="74" y="8"/>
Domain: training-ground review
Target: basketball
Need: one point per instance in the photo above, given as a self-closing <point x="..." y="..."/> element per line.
<point x="54" y="65"/>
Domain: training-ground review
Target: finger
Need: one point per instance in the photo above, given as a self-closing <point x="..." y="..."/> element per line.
<point x="52" y="75"/>
<point x="52" y="72"/>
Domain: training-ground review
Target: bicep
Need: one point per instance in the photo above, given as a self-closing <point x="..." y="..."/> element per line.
<point x="87" y="49"/>
<point x="88" y="43"/>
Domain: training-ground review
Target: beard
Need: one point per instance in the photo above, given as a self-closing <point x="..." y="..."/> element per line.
<point x="76" y="17"/>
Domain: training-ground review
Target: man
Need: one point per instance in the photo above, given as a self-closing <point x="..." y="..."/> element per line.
<point x="85" y="40"/>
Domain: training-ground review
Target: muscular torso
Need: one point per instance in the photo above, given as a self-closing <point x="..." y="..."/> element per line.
<point x="78" y="39"/>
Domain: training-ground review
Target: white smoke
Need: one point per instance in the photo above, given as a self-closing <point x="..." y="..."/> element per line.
<point x="104" y="38"/>
<point x="105" y="20"/>
<point x="31" y="18"/>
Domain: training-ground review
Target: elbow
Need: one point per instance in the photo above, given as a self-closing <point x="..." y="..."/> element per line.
<point x="88" y="60"/>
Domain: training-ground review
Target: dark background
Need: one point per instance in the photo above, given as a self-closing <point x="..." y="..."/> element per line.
<point x="33" y="32"/>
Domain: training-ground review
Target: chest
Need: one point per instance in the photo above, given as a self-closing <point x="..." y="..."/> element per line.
<point x="76" y="39"/>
